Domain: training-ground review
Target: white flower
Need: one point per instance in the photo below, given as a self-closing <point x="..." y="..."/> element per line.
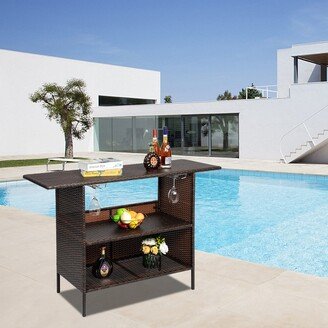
<point x="163" y="248"/>
<point x="149" y="242"/>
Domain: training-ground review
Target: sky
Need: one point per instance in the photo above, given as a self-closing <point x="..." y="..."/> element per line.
<point x="201" y="47"/>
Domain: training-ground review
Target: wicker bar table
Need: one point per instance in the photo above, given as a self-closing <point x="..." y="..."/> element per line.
<point x="79" y="235"/>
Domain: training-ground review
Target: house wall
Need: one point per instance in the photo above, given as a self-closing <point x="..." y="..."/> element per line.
<point x="24" y="126"/>
<point x="307" y="72"/>
<point x="318" y="157"/>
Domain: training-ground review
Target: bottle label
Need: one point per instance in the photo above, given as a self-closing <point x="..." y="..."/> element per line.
<point x="154" y="161"/>
<point x="168" y="160"/>
<point x="104" y="269"/>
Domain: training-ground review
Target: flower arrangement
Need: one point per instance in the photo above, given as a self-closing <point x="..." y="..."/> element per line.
<point x="153" y="248"/>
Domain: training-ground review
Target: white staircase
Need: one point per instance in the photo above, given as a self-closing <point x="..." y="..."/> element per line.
<point x="306" y="137"/>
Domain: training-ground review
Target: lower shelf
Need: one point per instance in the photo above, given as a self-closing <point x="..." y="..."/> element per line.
<point x="130" y="270"/>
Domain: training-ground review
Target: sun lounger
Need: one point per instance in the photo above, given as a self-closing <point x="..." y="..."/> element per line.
<point x="62" y="160"/>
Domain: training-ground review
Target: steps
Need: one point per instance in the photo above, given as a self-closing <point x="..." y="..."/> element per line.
<point x="306" y="137"/>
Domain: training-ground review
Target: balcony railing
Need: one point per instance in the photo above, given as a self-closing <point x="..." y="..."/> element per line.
<point x="268" y="91"/>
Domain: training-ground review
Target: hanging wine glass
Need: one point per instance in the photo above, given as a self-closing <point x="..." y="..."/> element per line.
<point x="94" y="206"/>
<point x="173" y="195"/>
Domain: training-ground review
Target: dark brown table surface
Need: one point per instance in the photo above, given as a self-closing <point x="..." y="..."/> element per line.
<point x="66" y="179"/>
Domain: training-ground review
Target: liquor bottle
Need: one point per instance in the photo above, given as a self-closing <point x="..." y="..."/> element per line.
<point x="151" y="160"/>
<point x="103" y="268"/>
<point x="166" y="153"/>
<point x="156" y="147"/>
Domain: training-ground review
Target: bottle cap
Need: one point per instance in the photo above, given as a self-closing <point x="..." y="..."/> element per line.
<point x="154" y="133"/>
<point x="165" y="130"/>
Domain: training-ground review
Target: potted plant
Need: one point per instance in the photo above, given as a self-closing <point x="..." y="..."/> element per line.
<point x="153" y="248"/>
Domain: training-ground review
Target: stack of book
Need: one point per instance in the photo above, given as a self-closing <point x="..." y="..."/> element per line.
<point x="101" y="167"/>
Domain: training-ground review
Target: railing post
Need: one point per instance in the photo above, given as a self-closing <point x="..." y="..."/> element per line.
<point x="308" y="133"/>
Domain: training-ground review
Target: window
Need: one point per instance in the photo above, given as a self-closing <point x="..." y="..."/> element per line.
<point x="121" y="101"/>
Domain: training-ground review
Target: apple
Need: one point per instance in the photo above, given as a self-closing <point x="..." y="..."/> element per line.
<point x="122" y="225"/>
<point x="116" y="218"/>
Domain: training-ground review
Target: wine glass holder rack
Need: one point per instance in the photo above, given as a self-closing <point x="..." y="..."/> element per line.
<point x="79" y="234"/>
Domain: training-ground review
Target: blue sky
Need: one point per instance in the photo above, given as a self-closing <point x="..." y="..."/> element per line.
<point x="201" y="47"/>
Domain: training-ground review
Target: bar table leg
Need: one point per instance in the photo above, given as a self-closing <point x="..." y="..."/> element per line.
<point x="58" y="283"/>
<point x="84" y="305"/>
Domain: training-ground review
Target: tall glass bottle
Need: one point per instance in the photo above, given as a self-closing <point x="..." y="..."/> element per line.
<point x="156" y="147"/>
<point x="166" y="153"/>
<point x="103" y="268"/>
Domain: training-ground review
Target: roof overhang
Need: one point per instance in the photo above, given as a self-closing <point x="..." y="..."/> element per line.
<point x="319" y="59"/>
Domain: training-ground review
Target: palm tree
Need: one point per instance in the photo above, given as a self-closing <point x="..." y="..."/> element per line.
<point x="69" y="106"/>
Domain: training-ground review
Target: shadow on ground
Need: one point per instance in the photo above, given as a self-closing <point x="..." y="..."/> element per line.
<point x="120" y="296"/>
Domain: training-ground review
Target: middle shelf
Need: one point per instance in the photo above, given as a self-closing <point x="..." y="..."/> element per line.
<point x="108" y="231"/>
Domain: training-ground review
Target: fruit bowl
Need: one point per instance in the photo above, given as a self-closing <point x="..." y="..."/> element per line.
<point x="127" y="219"/>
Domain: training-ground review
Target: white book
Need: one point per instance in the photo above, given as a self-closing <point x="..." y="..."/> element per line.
<point x="100" y="164"/>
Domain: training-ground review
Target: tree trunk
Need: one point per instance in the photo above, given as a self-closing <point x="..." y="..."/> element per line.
<point x="225" y="140"/>
<point x="68" y="145"/>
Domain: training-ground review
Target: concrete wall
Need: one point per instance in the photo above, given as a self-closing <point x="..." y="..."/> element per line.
<point x="307" y="72"/>
<point x="262" y="122"/>
<point x="24" y="127"/>
<point x="318" y="157"/>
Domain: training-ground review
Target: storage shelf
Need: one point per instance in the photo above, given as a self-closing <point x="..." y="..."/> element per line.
<point x="108" y="231"/>
<point x="130" y="270"/>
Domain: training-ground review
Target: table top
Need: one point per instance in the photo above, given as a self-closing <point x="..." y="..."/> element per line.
<point x="67" y="179"/>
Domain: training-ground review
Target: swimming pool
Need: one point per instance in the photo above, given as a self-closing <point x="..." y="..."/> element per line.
<point x="278" y="220"/>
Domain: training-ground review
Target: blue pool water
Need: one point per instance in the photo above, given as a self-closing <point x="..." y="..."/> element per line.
<point x="278" y="220"/>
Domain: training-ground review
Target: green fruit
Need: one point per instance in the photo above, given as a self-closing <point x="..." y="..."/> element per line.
<point x="120" y="211"/>
<point x="116" y="218"/>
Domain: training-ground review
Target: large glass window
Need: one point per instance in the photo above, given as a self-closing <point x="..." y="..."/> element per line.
<point x="202" y="135"/>
<point x="143" y="128"/>
<point x="195" y="131"/>
<point x="122" y="134"/>
<point x="121" y="101"/>
<point x="103" y="130"/>
<point x="174" y="125"/>
<point x="225" y="135"/>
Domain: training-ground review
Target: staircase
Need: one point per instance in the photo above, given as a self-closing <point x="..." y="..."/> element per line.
<point x="306" y="137"/>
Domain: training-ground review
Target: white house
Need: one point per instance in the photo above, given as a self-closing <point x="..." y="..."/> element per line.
<point x="24" y="127"/>
<point x="292" y="126"/>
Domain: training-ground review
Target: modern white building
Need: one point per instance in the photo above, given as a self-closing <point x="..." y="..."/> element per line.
<point x="24" y="128"/>
<point x="292" y="126"/>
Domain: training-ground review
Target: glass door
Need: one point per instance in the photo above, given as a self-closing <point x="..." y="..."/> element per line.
<point x="196" y="135"/>
<point x="225" y="135"/>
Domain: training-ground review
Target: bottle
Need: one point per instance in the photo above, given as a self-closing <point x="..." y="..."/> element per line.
<point x="166" y="153"/>
<point x="151" y="160"/>
<point x="103" y="268"/>
<point x="156" y="147"/>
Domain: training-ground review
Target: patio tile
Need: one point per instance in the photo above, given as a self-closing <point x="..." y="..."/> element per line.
<point x="301" y="285"/>
<point x="236" y="269"/>
<point x="223" y="318"/>
<point x="272" y="306"/>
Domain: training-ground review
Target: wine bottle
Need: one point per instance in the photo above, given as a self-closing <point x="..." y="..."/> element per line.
<point x="156" y="147"/>
<point x="103" y="268"/>
<point x="166" y="153"/>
